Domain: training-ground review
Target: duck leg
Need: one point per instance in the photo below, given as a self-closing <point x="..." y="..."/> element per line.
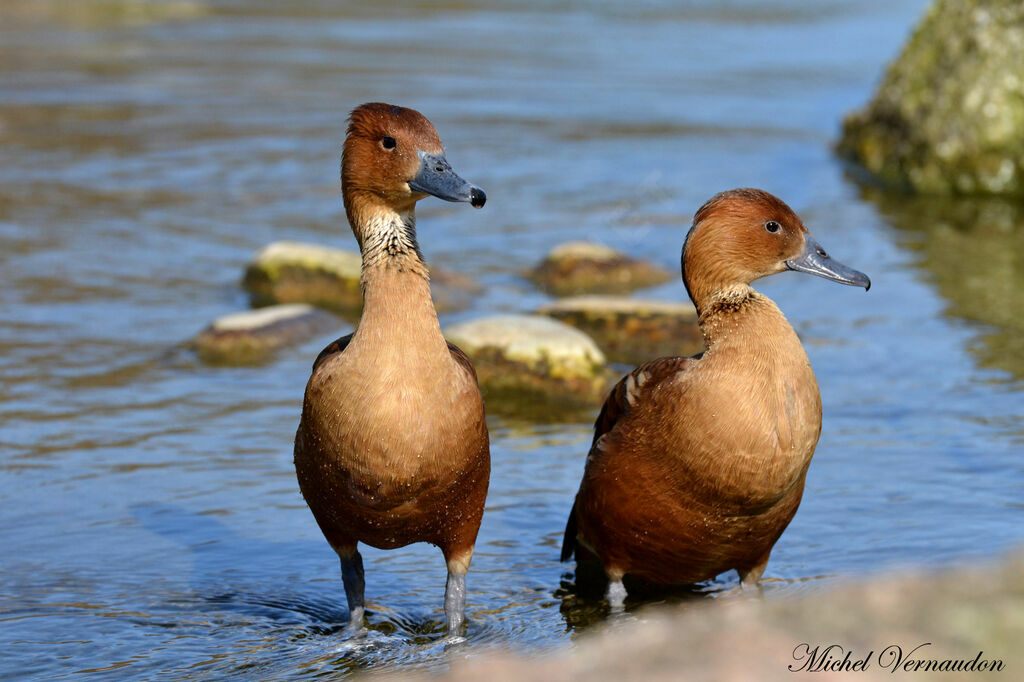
<point x="455" y="593"/>
<point x="616" y="592"/>
<point x="355" y="585"/>
<point x="455" y="602"/>
<point x="751" y="576"/>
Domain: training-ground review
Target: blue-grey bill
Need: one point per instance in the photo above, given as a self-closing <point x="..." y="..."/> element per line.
<point x="436" y="177"/>
<point x="815" y="261"/>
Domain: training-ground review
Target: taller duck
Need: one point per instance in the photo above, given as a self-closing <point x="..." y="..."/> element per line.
<point x="392" y="447"/>
<point x="698" y="464"/>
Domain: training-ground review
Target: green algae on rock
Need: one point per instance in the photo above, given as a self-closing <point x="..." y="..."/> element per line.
<point x="630" y="330"/>
<point x="294" y="272"/>
<point x="532" y="358"/>
<point x="948" y="117"/>
<point x="104" y="14"/>
<point x="587" y="267"/>
<point x="253" y="336"/>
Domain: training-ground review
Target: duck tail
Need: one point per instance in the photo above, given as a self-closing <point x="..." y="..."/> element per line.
<point x="569" y="539"/>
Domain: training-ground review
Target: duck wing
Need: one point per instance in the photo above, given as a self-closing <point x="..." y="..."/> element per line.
<point x="618" y="404"/>
<point x="333" y="348"/>
<point x="462" y="359"/>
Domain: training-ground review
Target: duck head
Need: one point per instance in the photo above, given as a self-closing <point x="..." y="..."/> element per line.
<point x="745" y="234"/>
<point x="392" y="158"/>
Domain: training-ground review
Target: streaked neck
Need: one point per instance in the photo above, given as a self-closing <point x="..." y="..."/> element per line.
<point x="397" y="307"/>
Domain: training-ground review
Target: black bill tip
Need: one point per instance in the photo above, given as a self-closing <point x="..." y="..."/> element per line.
<point x="436" y="177"/>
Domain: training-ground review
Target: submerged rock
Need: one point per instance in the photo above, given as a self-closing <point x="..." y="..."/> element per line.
<point x="630" y="330"/>
<point x="294" y="272"/>
<point x="253" y="336"/>
<point x="586" y="267"/>
<point x="526" y="358"/>
<point x="949" y="114"/>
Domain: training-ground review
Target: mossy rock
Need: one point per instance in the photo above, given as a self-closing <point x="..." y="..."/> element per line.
<point x="105" y="14"/>
<point x="589" y="268"/>
<point x="528" y="359"/>
<point x="948" y="118"/>
<point x="253" y="336"/>
<point x="629" y="330"/>
<point x="294" y="272"/>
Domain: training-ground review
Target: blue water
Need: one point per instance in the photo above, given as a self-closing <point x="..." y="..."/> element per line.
<point x="150" y="517"/>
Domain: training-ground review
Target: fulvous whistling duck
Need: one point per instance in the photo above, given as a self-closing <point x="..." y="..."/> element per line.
<point x="392" y="447"/>
<point x="698" y="464"/>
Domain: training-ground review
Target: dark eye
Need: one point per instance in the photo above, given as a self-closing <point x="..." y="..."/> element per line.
<point x="772" y="226"/>
<point x="388" y="142"/>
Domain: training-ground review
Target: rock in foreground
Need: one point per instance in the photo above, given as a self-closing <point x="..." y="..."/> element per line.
<point x="529" y="358"/>
<point x="293" y="272"/>
<point x="629" y="330"/>
<point x="949" y="114"/>
<point x="971" y="618"/>
<point x="253" y="336"/>
<point x="589" y="268"/>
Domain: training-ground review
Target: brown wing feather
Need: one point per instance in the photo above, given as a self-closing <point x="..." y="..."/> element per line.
<point x="337" y="346"/>
<point x="630" y="389"/>
<point x="618" y="403"/>
<point x="462" y="359"/>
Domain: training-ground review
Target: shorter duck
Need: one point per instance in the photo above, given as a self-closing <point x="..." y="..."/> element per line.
<point x="392" y="447"/>
<point x="698" y="464"/>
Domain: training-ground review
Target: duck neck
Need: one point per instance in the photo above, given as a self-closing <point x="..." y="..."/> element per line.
<point x="387" y="237"/>
<point x="738" y="314"/>
<point x="397" y="307"/>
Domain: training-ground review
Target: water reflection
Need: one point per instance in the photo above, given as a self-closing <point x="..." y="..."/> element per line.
<point x="973" y="251"/>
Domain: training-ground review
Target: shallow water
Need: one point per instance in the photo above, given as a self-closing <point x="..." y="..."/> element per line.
<point x="150" y="517"/>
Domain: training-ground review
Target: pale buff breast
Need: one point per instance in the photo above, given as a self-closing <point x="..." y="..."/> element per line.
<point x="745" y="428"/>
<point x="391" y="430"/>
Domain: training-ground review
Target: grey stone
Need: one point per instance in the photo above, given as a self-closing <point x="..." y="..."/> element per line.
<point x="253" y="336"/>
<point x="948" y="118"/>
<point x="532" y="357"/>
<point x="631" y="330"/>
<point x="295" y="272"/>
<point x="586" y="267"/>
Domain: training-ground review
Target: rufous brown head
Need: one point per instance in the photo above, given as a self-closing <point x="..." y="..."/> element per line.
<point x="742" y="235"/>
<point x="393" y="157"/>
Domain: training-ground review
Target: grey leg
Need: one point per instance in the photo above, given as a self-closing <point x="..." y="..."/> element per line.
<point x="616" y="595"/>
<point x="751" y="577"/>
<point x="455" y="602"/>
<point x="355" y="585"/>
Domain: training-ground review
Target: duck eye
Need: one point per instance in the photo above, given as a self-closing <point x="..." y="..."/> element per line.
<point x="772" y="226"/>
<point x="388" y="142"/>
